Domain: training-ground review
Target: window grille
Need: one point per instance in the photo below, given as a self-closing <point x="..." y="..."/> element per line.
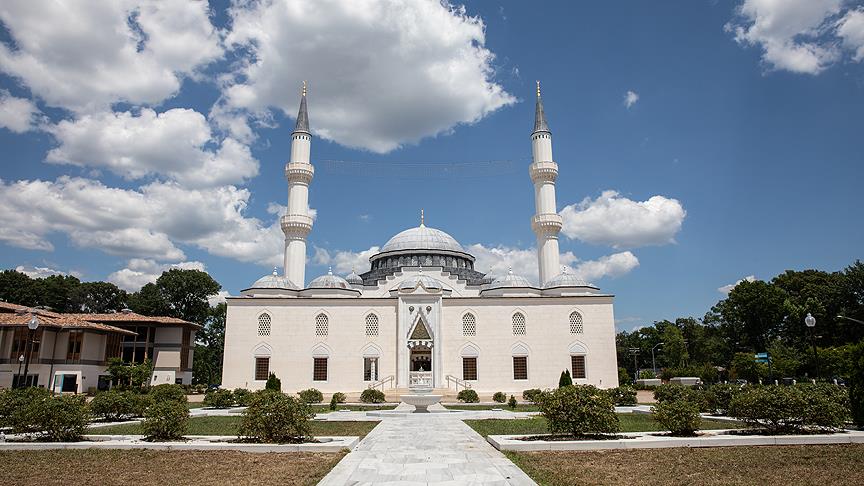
<point x="519" y="324"/>
<point x="469" y="368"/>
<point x="469" y="325"/>
<point x="264" y="325"/>
<point x="321" y="324"/>
<point x="370" y="369"/>
<point x="371" y="325"/>
<point x="319" y="369"/>
<point x="262" y="368"/>
<point x="520" y="367"/>
<point x="576" y="325"/>
<point x="578" y="364"/>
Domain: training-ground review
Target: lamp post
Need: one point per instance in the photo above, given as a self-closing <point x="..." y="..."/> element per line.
<point x="850" y="319"/>
<point x="20" y="363"/>
<point x="810" y="322"/>
<point x="654" y="363"/>
<point x="32" y="326"/>
<point x="635" y="352"/>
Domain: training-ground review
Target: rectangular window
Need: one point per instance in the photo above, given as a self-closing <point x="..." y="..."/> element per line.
<point x="112" y="346"/>
<point x="578" y="365"/>
<point x="19" y="343"/>
<point x="469" y="368"/>
<point x="73" y="352"/>
<point x="262" y="368"/>
<point x="520" y="367"/>
<point x="370" y="369"/>
<point x="184" y="350"/>
<point x="319" y="369"/>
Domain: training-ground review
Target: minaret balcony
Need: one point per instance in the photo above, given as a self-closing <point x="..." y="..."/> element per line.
<point x="299" y="172"/>
<point x="547" y="224"/>
<point x="296" y="225"/>
<point x="543" y="171"/>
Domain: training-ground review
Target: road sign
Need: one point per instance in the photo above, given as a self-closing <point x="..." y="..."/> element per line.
<point x="761" y="355"/>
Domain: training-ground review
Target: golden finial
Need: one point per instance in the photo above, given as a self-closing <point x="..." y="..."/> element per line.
<point x="421" y="218"/>
<point x="304" y="88"/>
<point x="538" y="89"/>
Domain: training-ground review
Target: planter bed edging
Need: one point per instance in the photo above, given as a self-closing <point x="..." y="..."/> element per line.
<point x="194" y="443"/>
<point x="648" y="440"/>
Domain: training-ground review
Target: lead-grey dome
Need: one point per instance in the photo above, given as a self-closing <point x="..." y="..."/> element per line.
<point x="509" y="280"/>
<point x="565" y="279"/>
<point x="274" y="281"/>
<point x="329" y="281"/>
<point x="422" y="238"/>
<point x="354" y="279"/>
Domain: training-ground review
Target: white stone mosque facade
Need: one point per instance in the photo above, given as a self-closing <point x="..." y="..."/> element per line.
<point x="422" y="316"/>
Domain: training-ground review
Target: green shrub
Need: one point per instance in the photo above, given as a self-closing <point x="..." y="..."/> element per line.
<point x="499" y="397"/>
<point x="671" y="392"/>
<point x="312" y="395"/>
<point x="371" y="395"/>
<point x="64" y="418"/>
<point x="722" y="396"/>
<point x="680" y="417"/>
<point x="116" y="405"/>
<point x="578" y="410"/>
<point x="468" y="396"/>
<point x="856" y="383"/>
<point x="166" y="420"/>
<point x="276" y="418"/>
<point x="241" y="397"/>
<point x="218" y="398"/>
<point x="531" y="394"/>
<point x="623" y="375"/>
<point x="164" y="393"/>
<point x="623" y="395"/>
<point x="783" y="409"/>
<point x="273" y="383"/>
<point x="19" y="407"/>
<point x="512" y="402"/>
<point x="334" y="404"/>
<point x="565" y="379"/>
<point x="644" y="375"/>
<point x="340" y="397"/>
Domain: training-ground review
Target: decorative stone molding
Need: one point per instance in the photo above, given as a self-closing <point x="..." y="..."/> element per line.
<point x="301" y="172"/>
<point x="543" y="171"/>
<point x="296" y="225"/>
<point x="547" y="224"/>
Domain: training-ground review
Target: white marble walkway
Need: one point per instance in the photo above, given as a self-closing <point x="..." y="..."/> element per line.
<point x="425" y="449"/>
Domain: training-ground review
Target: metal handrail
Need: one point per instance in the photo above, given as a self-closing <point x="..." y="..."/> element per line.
<point x="382" y="382"/>
<point x="453" y="379"/>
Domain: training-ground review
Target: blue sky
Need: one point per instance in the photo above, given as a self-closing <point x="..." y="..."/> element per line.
<point x="738" y="153"/>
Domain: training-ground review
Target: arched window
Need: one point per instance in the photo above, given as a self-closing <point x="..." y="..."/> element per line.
<point x="469" y="325"/>
<point x="576" y="325"/>
<point x="519" y="324"/>
<point x="371" y="325"/>
<point x="321" y="324"/>
<point x="264" y="324"/>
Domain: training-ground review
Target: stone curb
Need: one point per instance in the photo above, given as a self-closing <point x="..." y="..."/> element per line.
<point x="195" y="443"/>
<point x="649" y="440"/>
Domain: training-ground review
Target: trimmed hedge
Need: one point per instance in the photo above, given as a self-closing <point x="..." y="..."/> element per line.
<point x="531" y="394"/>
<point x="680" y="417"/>
<point x="241" y="397"/>
<point x="276" y="418"/>
<point x="789" y="409"/>
<point x="311" y="395"/>
<point x="166" y="420"/>
<point x="218" y="398"/>
<point x="371" y="395"/>
<point x="578" y="410"/>
<point x="512" y="402"/>
<point x="623" y="395"/>
<point x="163" y="393"/>
<point x="499" y="397"/>
<point x="116" y="405"/>
<point x="468" y="396"/>
<point x="62" y="418"/>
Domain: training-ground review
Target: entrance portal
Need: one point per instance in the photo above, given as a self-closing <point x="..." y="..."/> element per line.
<point x="421" y="367"/>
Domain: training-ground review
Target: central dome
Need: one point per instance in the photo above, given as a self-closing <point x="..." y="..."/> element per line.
<point x="422" y="238"/>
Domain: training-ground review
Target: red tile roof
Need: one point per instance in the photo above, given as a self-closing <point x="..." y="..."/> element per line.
<point x="14" y="315"/>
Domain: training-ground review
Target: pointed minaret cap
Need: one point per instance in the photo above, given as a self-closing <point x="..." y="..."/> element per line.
<point x="540" y="124"/>
<point x="302" y="117"/>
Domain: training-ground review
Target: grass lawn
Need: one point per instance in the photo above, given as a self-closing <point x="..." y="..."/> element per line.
<point x="142" y="467"/>
<point x="811" y="464"/>
<point x="230" y="426"/>
<point x="503" y="406"/>
<point x="191" y="405"/>
<point x="630" y="422"/>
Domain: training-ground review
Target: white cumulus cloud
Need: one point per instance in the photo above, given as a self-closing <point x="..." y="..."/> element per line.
<point x="619" y="222"/>
<point x="344" y="261"/>
<point x="17" y="114"/>
<point x="173" y="144"/>
<point x="851" y="30"/>
<point x="139" y="272"/>
<point x="87" y="54"/>
<point x="41" y="272"/>
<point x="728" y="288"/>
<point x="630" y="98"/>
<point x="382" y="73"/>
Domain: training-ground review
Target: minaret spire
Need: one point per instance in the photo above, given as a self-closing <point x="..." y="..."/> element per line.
<point x="421" y="218"/>
<point x="297" y="223"/>
<point x="546" y="223"/>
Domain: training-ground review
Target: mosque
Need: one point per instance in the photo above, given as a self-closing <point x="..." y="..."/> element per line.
<point x="422" y="316"/>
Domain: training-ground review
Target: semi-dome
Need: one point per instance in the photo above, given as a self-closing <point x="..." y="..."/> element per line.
<point x="422" y="238"/>
<point x="426" y="281"/>
<point x="274" y="281"/>
<point x="565" y="279"/>
<point x="329" y="281"/>
<point x="509" y="280"/>
<point x="353" y="278"/>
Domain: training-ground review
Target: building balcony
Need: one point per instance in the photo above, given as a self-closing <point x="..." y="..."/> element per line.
<point x="543" y="171"/>
<point x="299" y="172"/>
<point x="548" y="223"/>
<point x="296" y="225"/>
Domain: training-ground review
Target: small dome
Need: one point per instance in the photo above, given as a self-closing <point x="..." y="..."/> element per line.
<point x="274" y="281"/>
<point x="329" y="281"/>
<point x="422" y="238"/>
<point x="427" y="282"/>
<point x="510" y="280"/>
<point x="353" y="278"/>
<point x="565" y="279"/>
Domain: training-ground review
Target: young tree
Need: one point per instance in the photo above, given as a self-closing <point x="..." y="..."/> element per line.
<point x="565" y="379"/>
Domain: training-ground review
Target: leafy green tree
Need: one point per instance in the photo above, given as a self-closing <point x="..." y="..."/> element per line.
<point x="149" y="301"/>
<point x="57" y="291"/>
<point x="18" y="288"/>
<point x="98" y="297"/>
<point x="210" y="348"/>
<point x="751" y="316"/>
<point x="674" y="347"/>
<point x="186" y="293"/>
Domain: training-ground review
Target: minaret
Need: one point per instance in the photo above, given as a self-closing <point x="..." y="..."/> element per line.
<point x="546" y="223"/>
<point x="297" y="223"/>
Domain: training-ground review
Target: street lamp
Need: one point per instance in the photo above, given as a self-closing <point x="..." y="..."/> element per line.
<point x="850" y="319"/>
<point x="20" y="363"/>
<point x="810" y="322"/>
<point x="654" y="363"/>
<point x="32" y="326"/>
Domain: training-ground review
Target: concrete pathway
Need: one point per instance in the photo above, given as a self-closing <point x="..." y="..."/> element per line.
<point x="425" y="449"/>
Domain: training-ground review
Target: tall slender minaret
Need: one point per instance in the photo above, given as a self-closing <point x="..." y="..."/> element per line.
<point x="546" y="223"/>
<point x="297" y="223"/>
